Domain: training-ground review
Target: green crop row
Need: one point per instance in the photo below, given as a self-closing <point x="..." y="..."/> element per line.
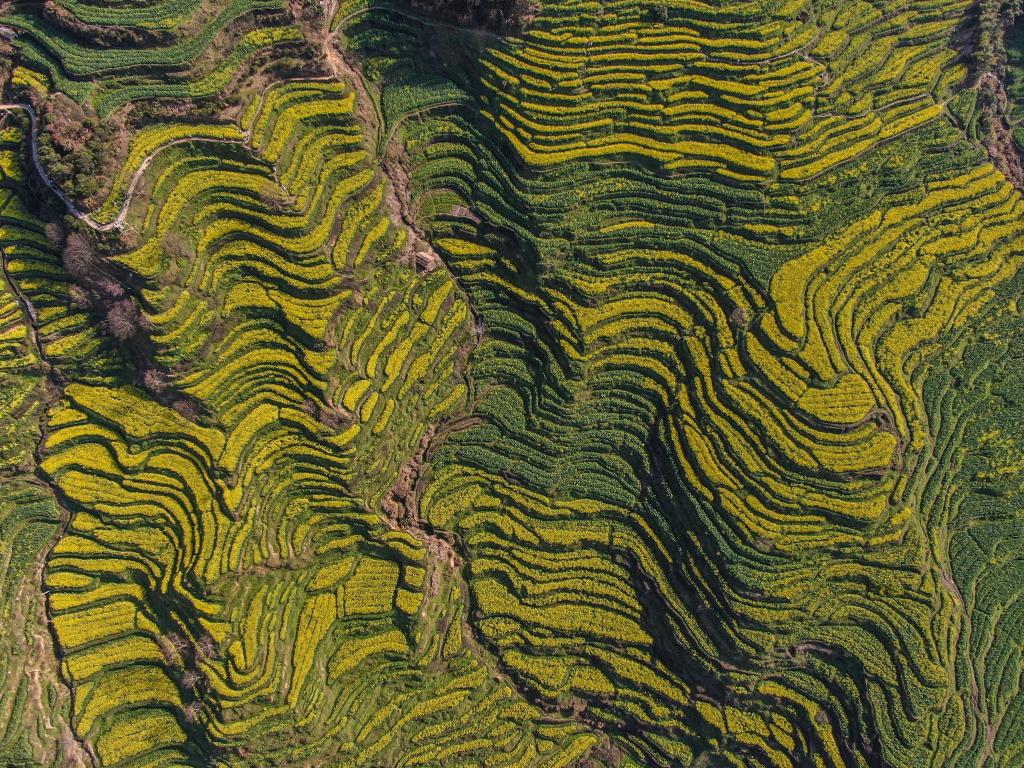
<point x="753" y="452"/>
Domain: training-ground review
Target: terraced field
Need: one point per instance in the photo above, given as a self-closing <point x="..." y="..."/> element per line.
<point x="636" y="387"/>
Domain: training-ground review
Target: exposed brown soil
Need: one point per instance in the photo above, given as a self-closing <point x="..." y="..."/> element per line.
<point x="39" y="656"/>
<point x="418" y="251"/>
<point x="401" y="508"/>
<point x="999" y="143"/>
<point x="463" y="212"/>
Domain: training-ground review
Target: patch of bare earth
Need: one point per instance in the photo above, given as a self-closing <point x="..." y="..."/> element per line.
<point x="401" y="509"/>
<point x="999" y="143"/>
<point x="418" y="253"/>
<point x="32" y="654"/>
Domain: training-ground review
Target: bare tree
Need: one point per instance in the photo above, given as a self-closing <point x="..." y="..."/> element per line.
<point x="80" y="258"/>
<point x="110" y="287"/>
<point x="154" y="380"/>
<point x="123" y="320"/>
<point x="192" y="711"/>
<point x="185" y="409"/>
<point x="54" y="232"/>
<point x="78" y="297"/>
<point x="206" y="648"/>
<point x="190" y="679"/>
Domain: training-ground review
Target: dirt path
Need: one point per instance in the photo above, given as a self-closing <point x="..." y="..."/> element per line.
<point x="401" y="504"/>
<point x="34" y="145"/>
<point x="401" y="510"/>
<point x="397" y="195"/>
<point x="32" y="319"/>
<point x="76" y="753"/>
<point x="118" y="222"/>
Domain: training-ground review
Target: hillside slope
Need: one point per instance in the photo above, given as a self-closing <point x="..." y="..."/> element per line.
<point x="635" y="387"/>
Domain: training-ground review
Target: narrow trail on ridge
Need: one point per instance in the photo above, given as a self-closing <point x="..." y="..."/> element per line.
<point x="401" y="505"/>
<point x="397" y="195"/>
<point x="118" y="222"/>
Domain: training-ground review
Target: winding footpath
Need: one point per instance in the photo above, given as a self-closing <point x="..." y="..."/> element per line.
<point x="118" y="222"/>
<point x="335" y="62"/>
<point x="34" y="144"/>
